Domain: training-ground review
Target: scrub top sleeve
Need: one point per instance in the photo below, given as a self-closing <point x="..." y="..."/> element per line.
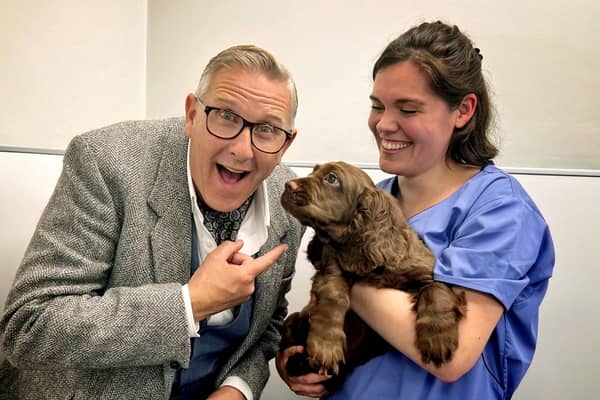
<point x="494" y="249"/>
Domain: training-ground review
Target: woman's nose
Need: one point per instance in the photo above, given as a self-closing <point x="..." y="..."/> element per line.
<point x="387" y="123"/>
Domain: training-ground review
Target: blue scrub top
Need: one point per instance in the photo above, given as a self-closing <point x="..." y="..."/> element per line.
<point x="488" y="236"/>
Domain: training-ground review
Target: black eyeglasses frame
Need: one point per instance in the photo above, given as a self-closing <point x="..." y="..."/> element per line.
<point x="207" y="109"/>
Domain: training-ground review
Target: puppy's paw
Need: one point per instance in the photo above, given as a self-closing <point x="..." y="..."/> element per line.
<point x="436" y="348"/>
<point x="439" y="310"/>
<point x="327" y="351"/>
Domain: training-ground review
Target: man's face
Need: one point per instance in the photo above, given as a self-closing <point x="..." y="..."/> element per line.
<point x="226" y="172"/>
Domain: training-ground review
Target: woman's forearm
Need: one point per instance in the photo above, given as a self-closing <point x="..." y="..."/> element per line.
<point x="389" y="312"/>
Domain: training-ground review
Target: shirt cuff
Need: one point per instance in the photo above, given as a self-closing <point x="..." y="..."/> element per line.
<point x="193" y="326"/>
<point x="239" y="384"/>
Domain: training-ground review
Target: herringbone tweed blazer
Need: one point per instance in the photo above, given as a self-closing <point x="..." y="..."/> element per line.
<point x="96" y="310"/>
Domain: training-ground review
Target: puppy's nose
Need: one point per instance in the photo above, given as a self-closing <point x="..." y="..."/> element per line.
<point x="291" y="185"/>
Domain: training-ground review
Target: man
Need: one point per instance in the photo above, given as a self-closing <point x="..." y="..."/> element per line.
<point x="158" y="269"/>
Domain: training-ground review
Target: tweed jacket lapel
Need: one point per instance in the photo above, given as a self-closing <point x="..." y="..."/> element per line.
<point x="266" y="284"/>
<point x="171" y="240"/>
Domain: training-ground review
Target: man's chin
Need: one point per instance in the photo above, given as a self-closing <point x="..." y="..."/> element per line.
<point x="226" y="197"/>
<point x="222" y="204"/>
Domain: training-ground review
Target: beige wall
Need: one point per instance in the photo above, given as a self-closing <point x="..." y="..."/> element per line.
<point x="542" y="59"/>
<point x="67" y="66"/>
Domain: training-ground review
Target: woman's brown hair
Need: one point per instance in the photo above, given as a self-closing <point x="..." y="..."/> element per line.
<point x="453" y="66"/>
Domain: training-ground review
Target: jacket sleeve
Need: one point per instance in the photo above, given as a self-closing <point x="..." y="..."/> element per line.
<point x="59" y="313"/>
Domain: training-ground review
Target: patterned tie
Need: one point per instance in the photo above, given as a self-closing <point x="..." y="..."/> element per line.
<point x="224" y="225"/>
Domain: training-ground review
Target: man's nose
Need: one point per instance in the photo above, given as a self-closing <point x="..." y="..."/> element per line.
<point x="241" y="146"/>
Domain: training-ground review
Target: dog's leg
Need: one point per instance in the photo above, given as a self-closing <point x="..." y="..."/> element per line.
<point x="295" y="330"/>
<point x="439" y="309"/>
<point x="326" y="342"/>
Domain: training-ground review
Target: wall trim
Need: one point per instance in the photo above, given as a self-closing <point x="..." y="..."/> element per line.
<point x="368" y="166"/>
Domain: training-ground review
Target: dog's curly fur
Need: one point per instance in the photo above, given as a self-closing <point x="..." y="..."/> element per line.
<point x="361" y="235"/>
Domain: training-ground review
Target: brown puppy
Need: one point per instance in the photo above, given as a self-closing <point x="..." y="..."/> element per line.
<point x="361" y="235"/>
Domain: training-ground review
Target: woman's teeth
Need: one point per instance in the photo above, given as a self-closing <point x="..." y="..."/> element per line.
<point x="387" y="145"/>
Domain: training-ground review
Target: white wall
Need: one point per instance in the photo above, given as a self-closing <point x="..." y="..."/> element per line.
<point x="541" y="58"/>
<point x="564" y="365"/>
<point x="26" y="182"/>
<point x="67" y="66"/>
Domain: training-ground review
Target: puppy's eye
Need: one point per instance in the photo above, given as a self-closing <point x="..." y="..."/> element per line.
<point x="331" y="179"/>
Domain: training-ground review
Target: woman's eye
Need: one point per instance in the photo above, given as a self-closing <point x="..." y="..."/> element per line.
<point x="405" y="111"/>
<point x="331" y="179"/>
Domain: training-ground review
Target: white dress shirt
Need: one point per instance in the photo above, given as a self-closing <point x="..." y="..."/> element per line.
<point x="253" y="232"/>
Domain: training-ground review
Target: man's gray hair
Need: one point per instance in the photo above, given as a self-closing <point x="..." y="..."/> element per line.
<point x="250" y="58"/>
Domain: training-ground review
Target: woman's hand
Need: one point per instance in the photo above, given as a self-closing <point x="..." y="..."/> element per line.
<point x="305" y="385"/>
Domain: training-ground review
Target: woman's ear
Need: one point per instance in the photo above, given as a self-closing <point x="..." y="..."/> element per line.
<point x="466" y="109"/>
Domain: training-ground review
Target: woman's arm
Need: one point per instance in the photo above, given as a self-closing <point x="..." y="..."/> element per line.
<point x="389" y="312"/>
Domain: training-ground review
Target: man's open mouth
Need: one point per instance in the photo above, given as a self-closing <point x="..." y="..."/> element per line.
<point x="229" y="175"/>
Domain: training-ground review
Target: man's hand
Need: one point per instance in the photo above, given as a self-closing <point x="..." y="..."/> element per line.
<point x="226" y="278"/>
<point x="226" y="393"/>
<point x="305" y="385"/>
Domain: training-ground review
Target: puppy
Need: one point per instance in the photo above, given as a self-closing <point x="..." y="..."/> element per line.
<point x="361" y="235"/>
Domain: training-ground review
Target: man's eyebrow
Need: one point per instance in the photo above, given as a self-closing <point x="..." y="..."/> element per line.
<point x="271" y="119"/>
<point x="224" y="101"/>
<point x="277" y="120"/>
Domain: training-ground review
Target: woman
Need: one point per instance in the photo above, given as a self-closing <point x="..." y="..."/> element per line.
<point x="430" y="117"/>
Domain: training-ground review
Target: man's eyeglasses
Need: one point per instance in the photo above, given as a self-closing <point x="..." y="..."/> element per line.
<point x="228" y="125"/>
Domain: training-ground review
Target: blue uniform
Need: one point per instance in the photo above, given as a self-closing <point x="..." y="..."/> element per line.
<point x="488" y="236"/>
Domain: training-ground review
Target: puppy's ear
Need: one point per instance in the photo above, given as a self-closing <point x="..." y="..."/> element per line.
<point x="381" y="224"/>
<point x="374" y="204"/>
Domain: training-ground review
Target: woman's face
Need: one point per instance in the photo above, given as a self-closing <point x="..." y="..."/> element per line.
<point x="411" y="124"/>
